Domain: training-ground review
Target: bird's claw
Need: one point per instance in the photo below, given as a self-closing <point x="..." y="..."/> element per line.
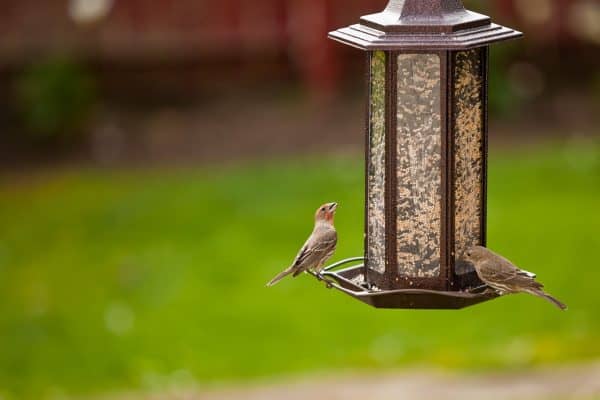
<point x="328" y="283"/>
<point x="483" y="289"/>
<point x="477" y="289"/>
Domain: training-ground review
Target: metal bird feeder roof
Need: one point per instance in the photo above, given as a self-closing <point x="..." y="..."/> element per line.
<point x="426" y="154"/>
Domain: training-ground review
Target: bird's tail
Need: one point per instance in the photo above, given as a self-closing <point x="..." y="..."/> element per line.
<point x="280" y="276"/>
<point x="544" y="295"/>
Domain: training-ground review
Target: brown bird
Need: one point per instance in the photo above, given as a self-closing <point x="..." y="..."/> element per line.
<point x="500" y="274"/>
<point x="319" y="246"/>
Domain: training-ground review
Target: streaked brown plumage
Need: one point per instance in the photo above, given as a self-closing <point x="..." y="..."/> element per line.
<point x="500" y="274"/>
<point x="319" y="246"/>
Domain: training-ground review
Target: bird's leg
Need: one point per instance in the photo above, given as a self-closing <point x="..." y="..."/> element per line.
<point x="328" y="283"/>
<point x="320" y="277"/>
<point x="478" y="288"/>
<point x="484" y="289"/>
<point x="490" y="289"/>
<point x="315" y="274"/>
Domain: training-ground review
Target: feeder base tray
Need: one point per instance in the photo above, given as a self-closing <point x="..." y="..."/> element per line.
<point x="351" y="281"/>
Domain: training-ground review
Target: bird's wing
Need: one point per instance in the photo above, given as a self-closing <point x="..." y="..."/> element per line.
<point x="496" y="271"/>
<point x="315" y="248"/>
<point x="520" y="271"/>
<point x="304" y="250"/>
<point x="328" y="248"/>
<point x="504" y="275"/>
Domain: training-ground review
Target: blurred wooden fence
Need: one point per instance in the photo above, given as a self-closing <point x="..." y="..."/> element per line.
<point x="144" y="31"/>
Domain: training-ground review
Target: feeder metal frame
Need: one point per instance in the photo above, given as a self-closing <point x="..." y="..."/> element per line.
<point x="441" y="27"/>
<point x="398" y="298"/>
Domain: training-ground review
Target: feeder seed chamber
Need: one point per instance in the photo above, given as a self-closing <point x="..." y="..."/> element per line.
<point x="425" y="156"/>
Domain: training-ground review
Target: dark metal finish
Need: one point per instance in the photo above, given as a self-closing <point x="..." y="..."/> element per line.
<point x="447" y="165"/>
<point x="423" y="24"/>
<point x="441" y="27"/>
<point x="348" y="281"/>
<point x="365" y="38"/>
<point x="391" y="270"/>
<point x="424" y="16"/>
<point x="342" y="262"/>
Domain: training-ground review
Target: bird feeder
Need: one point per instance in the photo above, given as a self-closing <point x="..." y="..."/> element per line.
<point x="426" y="154"/>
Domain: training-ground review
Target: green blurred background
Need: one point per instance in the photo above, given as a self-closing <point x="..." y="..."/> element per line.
<point x="161" y="161"/>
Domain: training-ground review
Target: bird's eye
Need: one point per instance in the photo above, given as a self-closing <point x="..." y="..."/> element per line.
<point x="468" y="254"/>
<point x="322" y="208"/>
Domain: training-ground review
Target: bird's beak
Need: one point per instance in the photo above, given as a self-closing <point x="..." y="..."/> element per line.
<point x="332" y="207"/>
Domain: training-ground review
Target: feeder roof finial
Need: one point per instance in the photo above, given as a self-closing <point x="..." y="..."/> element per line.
<point x="422" y="25"/>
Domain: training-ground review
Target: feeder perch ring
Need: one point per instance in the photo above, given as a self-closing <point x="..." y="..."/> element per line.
<point x="347" y="281"/>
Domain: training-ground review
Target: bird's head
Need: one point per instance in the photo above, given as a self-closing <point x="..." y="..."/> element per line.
<point x="326" y="212"/>
<point x="475" y="254"/>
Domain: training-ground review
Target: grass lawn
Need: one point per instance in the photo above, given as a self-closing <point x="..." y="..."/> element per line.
<point x="114" y="280"/>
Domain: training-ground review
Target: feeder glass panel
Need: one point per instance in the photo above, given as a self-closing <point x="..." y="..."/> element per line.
<point x="418" y="165"/>
<point x="376" y="164"/>
<point x="467" y="121"/>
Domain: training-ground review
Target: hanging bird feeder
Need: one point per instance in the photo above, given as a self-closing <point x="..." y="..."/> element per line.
<point x="426" y="154"/>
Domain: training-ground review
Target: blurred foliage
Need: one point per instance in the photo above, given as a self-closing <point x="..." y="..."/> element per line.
<point x="54" y="97"/>
<point x="502" y="99"/>
<point x="147" y="280"/>
<point x="595" y="88"/>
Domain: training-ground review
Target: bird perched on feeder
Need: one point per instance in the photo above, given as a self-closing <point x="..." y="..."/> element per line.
<point x="319" y="246"/>
<point x="501" y="275"/>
